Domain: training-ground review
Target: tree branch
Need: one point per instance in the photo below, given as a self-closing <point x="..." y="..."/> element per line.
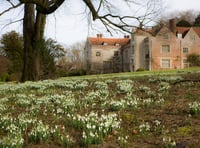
<point x="10" y="3"/>
<point x="92" y="9"/>
<point x="45" y="6"/>
<point x="10" y="23"/>
<point x="118" y="21"/>
<point x="13" y="7"/>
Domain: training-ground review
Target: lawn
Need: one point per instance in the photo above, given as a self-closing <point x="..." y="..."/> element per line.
<point x="143" y="109"/>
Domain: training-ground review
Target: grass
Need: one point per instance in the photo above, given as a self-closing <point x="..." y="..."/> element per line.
<point x="138" y="74"/>
<point x="141" y="109"/>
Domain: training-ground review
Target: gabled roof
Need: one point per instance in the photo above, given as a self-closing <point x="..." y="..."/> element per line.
<point x="185" y="30"/>
<point x="182" y="30"/>
<point x="108" y="41"/>
<point x="160" y="31"/>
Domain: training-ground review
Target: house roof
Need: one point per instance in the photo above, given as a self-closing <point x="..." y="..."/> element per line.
<point x="108" y="41"/>
<point x="182" y="30"/>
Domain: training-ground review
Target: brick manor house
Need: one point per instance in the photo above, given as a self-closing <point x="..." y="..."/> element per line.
<point x="150" y="49"/>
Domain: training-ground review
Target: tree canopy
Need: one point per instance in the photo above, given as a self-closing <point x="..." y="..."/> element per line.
<point x="12" y="48"/>
<point x="183" y="23"/>
<point x="197" y="21"/>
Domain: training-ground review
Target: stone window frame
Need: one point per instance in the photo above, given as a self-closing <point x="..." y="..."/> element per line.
<point x="165" y="36"/>
<point x="98" y="53"/>
<point x="163" y="64"/>
<point x="185" y="63"/>
<point x="185" y="50"/>
<point x="163" y="50"/>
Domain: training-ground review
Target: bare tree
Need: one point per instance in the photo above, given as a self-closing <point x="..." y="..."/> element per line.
<point x="77" y="55"/>
<point x="107" y="11"/>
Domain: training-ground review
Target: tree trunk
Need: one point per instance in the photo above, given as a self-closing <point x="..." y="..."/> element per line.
<point x="29" y="72"/>
<point x="33" y="30"/>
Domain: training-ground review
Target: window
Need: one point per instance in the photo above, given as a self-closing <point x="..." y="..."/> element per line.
<point x="104" y="43"/>
<point x="87" y="54"/>
<point x="165" y="36"/>
<point x="185" y="63"/>
<point x="107" y="65"/>
<point x="116" y="44"/>
<point x="165" y="49"/>
<point x="192" y="37"/>
<point x="133" y="49"/>
<point x="146" y="56"/>
<point x="98" y="53"/>
<point x="116" y="53"/>
<point x="165" y="63"/>
<point x="126" y="54"/>
<point x="185" y="50"/>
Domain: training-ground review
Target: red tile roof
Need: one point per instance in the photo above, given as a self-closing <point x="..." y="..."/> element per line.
<point x="108" y="41"/>
<point x="184" y="30"/>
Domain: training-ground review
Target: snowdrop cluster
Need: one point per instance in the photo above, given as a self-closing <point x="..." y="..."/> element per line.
<point x="144" y="128"/>
<point x="14" y="128"/>
<point x="194" y="108"/>
<point x="95" y="127"/>
<point x="164" y="86"/>
<point x="169" y="142"/>
<point x="147" y="127"/>
<point x="143" y="88"/>
<point x="124" y="86"/>
<point x="117" y="105"/>
<point x="40" y="132"/>
<point x="101" y="85"/>
<point x="122" y="141"/>
<point x="12" y="141"/>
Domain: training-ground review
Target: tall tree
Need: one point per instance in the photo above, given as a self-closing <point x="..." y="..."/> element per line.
<point x="183" y="23"/>
<point x="12" y="48"/>
<point x="188" y="16"/>
<point x="33" y="30"/>
<point x="33" y="26"/>
<point x="49" y="55"/>
<point x="197" y="21"/>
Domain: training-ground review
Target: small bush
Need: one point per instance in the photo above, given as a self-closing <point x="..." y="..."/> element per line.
<point x="5" y="77"/>
<point x="140" y="69"/>
<point x="194" y="59"/>
<point x="72" y="73"/>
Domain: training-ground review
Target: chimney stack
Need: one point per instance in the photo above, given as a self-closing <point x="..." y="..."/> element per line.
<point x="99" y="35"/>
<point x="126" y="36"/>
<point x="172" y="25"/>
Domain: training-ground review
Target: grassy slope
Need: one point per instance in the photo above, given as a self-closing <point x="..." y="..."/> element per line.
<point x="174" y="116"/>
<point x="138" y="73"/>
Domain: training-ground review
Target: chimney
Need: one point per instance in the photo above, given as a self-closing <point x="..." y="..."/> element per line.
<point x="172" y="25"/>
<point x="126" y="36"/>
<point x="99" y="35"/>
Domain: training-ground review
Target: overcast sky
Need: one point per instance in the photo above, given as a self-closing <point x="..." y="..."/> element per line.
<point x="69" y="25"/>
